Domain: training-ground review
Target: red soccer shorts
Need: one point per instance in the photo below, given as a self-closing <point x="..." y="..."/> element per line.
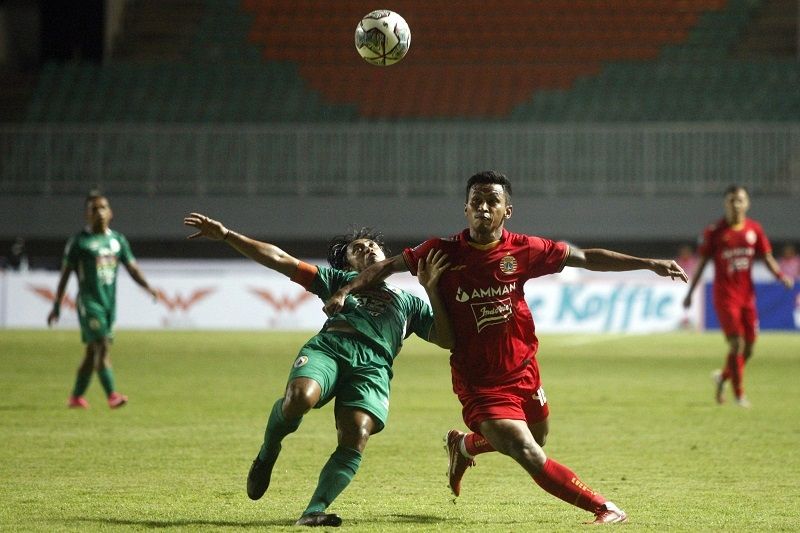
<point x="494" y="405"/>
<point x="738" y="320"/>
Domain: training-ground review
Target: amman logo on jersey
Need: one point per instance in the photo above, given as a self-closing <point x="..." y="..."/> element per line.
<point x="463" y="296"/>
<point x="508" y="264"/>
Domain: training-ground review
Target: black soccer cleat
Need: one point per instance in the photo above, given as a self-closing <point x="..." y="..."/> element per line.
<point x="258" y="477"/>
<point x="319" y="519"/>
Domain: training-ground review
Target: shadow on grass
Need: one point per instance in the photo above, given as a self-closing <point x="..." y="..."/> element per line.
<point x="155" y="524"/>
<point x="182" y="522"/>
<point x="415" y="519"/>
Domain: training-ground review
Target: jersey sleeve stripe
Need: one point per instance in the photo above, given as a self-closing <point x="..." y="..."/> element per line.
<point x="305" y="274"/>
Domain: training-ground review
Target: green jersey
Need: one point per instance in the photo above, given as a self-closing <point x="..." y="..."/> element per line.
<point x="95" y="257"/>
<point x="385" y="315"/>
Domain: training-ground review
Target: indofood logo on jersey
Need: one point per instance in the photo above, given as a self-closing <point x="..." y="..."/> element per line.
<point x="493" y="312"/>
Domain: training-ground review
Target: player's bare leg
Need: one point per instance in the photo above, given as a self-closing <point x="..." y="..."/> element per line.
<point x="462" y="448"/>
<point x="301" y="395"/>
<point x="748" y="351"/>
<point x="514" y="438"/>
<point x="540" y="430"/>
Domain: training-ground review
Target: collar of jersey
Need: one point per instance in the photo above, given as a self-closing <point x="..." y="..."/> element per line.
<point x="88" y="229"/>
<point x="487" y="246"/>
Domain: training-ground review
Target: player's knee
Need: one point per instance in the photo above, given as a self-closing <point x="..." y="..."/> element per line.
<point x="527" y="452"/>
<point x="298" y="401"/>
<point x="736" y="343"/>
<point x="354" y="436"/>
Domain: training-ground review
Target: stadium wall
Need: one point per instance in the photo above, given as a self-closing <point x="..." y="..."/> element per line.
<point x="252" y="298"/>
<point x="584" y="220"/>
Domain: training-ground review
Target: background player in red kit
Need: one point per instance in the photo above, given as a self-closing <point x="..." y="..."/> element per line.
<point x="733" y="242"/>
<point x="493" y="362"/>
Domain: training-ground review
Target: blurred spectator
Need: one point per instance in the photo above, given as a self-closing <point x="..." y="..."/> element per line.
<point x="687" y="259"/>
<point x="18" y="259"/>
<point x="790" y="261"/>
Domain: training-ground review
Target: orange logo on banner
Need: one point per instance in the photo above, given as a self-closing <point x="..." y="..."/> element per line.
<point x="178" y="302"/>
<point x="282" y="304"/>
<point x="50" y="296"/>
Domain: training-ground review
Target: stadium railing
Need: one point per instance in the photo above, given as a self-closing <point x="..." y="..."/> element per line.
<point x="399" y="159"/>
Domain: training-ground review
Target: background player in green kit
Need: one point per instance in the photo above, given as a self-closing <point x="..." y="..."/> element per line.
<point x="349" y="359"/>
<point x="95" y="254"/>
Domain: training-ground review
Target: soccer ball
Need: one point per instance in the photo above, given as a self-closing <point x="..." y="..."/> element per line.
<point x="383" y="37"/>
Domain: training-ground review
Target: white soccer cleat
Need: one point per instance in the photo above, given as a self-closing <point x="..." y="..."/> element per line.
<point x="609" y="514"/>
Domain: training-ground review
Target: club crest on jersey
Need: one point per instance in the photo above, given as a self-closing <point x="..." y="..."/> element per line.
<point x="508" y="264"/>
<point x="300" y="361"/>
<point x="750" y="237"/>
<point x="492" y="312"/>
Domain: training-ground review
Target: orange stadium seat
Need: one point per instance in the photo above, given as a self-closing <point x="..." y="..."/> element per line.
<point x="512" y="49"/>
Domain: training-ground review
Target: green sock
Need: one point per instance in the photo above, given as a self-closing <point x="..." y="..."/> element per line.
<point x="106" y="376"/>
<point x="277" y="428"/>
<point x="334" y="478"/>
<point x="81" y="384"/>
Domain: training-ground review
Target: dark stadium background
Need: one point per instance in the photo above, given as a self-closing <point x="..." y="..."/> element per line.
<point x="619" y="122"/>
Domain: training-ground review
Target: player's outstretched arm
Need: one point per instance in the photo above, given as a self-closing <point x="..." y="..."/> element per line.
<point x="367" y="278"/>
<point x="698" y="273"/>
<point x="263" y="253"/>
<point x="62" y="286"/>
<point x="601" y="260"/>
<point x="775" y="268"/>
<point x="429" y="271"/>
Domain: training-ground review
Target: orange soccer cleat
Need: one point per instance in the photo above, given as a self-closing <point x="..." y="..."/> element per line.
<point x="457" y="462"/>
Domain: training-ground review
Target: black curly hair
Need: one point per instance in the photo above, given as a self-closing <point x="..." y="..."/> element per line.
<point x="337" y="247"/>
<point x="490" y="177"/>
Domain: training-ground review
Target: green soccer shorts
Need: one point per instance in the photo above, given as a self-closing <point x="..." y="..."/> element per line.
<point x="349" y="370"/>
<point x="96" y="321"/>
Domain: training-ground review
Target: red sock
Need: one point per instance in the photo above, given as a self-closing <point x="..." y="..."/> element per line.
<point x="475" y="444"/>
<point x="736" y="368"/>
<point x="562" y="483"/>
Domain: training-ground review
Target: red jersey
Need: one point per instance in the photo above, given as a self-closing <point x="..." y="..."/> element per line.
<point x="733" y="251"/>
<point x="495" y="337"/>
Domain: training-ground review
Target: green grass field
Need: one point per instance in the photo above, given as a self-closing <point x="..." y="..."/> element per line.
<point x="633" y="416"/>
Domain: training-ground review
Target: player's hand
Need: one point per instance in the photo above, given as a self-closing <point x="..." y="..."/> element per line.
<point x="335" y="303"/>
<point x="665" y="268"/>
<point x="788" y="281"/>
<point x="430" y="269"/>
<point x="206" y="227"/>
<point x="687" y="302"/>
<point x="155" y="293"/>
<point x="52" y="318"/>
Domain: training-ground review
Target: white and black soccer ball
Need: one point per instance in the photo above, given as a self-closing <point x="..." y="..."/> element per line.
<point x="383" y="37"/>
